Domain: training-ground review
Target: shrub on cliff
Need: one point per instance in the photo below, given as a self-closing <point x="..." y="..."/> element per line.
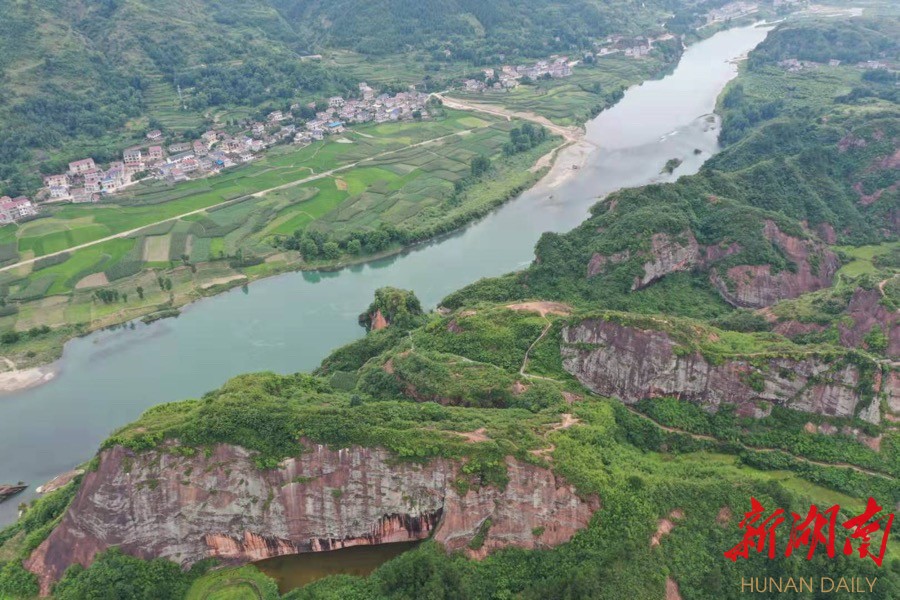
<point x="400" y="308"/>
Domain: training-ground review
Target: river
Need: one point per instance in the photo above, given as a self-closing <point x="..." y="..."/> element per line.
<point x="291" y="322"/>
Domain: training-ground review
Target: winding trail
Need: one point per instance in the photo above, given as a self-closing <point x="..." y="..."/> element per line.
<point x="699" y="436"/>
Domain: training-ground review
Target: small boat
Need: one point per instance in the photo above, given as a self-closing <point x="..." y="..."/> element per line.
<point x="6" y="491"/>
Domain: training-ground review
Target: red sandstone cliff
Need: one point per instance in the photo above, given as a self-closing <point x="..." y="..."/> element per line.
<point x="755" y="286"/>
<point x="158" y="504"/>
<point x="866" y="311"/>
<point x="632" y="364"/>
<point x="750" y="286"/>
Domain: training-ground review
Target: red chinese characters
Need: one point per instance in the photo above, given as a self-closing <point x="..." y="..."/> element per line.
<point x="816" y="529"/>
<point x="862" y="527"/>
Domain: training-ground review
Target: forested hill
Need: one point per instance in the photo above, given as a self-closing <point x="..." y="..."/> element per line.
<point x="472" y="28"/>
<point x="84" y="76"/>
<point x="848" y="41"/>
<point x="88" y="76"/>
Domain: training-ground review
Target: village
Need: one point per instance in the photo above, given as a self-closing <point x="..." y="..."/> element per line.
<point x="85" y="180"/>
<point x="793" y="65"/>
<point x="509" y="77"/>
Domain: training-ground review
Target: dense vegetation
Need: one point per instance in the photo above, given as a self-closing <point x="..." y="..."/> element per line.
<point x="853" y="40"/>
<point x="469" y="29"/>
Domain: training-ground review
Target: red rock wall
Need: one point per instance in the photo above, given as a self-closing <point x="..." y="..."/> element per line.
<point x="755" y="286"/>
<point x="157" y="504"/>
<point x="631" y="364"/>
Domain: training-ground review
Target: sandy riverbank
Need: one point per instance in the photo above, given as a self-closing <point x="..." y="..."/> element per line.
<point x="566" y="162"/>
<point x="21" y="379"/>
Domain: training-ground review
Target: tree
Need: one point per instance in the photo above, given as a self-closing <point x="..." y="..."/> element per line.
<point x="401" y="308"/>
<point x="140" y="292"/>
<point x="480" y="165"/>
<point x="331" y="250"/>
<point x="10" y="337"/>
<point x="354" y="246"/>
<point x="309" y="248"/>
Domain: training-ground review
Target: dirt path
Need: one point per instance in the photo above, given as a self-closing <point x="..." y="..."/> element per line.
<point x="543" y="309"/>
<point x="568" y="420"/>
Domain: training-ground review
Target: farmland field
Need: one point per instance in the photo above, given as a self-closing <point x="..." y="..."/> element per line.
<point x="226" y="229"/>
<point x="148" y="203"/>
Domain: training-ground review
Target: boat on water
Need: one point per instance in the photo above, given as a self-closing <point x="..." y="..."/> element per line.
<point x="7" y="491"/>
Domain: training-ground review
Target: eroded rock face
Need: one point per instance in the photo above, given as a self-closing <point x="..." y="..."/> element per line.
<point x="866" y="311"/>
<point x="632" y="364"/>
<point x="755" y="286"/>
<point x="668" y="254"/>
<point x="158" y="504"/>
<point x="378" y="321"/>
<point x="598" y="262"/>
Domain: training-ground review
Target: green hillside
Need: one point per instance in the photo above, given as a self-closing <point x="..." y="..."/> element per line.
<point x="468" y="28"/>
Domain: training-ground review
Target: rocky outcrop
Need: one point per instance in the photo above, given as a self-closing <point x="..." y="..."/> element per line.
<point x="160" y="504"/>
<point x="755" y="286"/>
<point x="598" y="262"/>
<point x="631" y="364"/>
<point x="747" y="286"/>
<point x="668" y="254"/>
<point x="378" y="321"/>
<point x="866" y="311"/>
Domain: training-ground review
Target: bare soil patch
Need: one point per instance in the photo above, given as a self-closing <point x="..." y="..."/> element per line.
<point x="672" y="592"/>
<point x="666" y="526"/>
<point x="543" y="308"/>
<point x="221" y="280"/>
<point x="92" y="280"/>
<point x="473" y="437"/>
